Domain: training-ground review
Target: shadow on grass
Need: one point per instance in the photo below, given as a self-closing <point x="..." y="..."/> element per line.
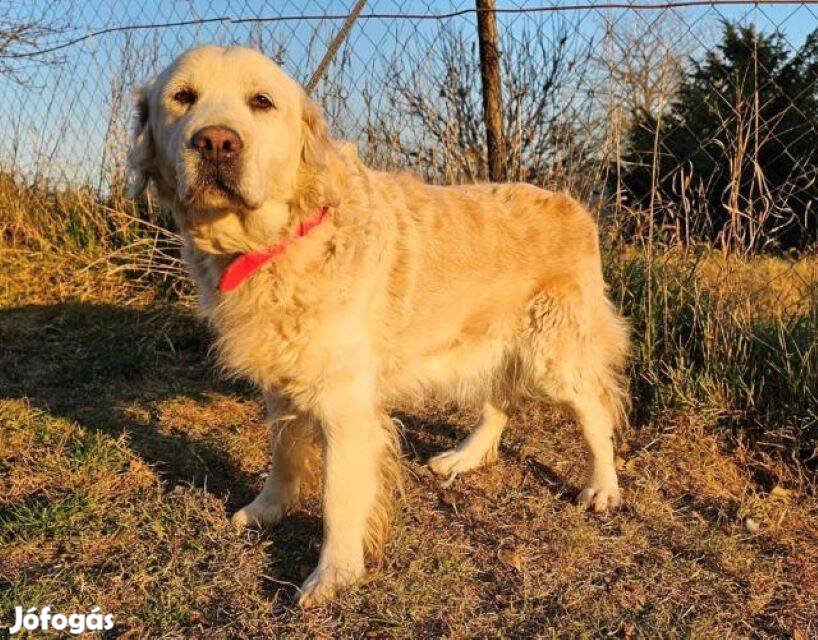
<point x="109" y="367"/>
<point x="89" y="362"/>
<point x="421" y="439"/>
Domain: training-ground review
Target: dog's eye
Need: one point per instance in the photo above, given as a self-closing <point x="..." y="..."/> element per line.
<point x="261" y="102"/>
<point x="186" y="96"/>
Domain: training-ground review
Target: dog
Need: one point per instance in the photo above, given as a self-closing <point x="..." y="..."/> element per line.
<point x="343" y="292"/>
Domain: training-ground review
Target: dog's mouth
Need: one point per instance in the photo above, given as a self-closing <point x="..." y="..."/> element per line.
<point x="216" y="187"/>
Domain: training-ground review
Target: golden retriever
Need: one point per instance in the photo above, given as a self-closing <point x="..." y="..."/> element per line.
<point x="342" y="291"/>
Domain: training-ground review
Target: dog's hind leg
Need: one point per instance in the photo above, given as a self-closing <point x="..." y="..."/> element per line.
<point x="295" y="450"/>
<point x="579" y="351"/>
<point x="478" y="449"/>
<point x="602" y="488"/>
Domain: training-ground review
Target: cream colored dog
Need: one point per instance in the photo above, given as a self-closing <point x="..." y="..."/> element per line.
<point x="342" y="291"/>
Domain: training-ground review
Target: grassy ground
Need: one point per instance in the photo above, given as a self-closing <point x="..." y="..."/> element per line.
<point x="122" y="455"/>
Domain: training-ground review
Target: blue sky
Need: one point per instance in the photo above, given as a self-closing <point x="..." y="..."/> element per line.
<point x="61" y="114"/>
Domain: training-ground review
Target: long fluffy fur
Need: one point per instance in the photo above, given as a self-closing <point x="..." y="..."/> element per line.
<point x="478" y="294"/>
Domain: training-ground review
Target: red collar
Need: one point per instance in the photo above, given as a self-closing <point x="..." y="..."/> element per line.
<point x="248" y="263"/>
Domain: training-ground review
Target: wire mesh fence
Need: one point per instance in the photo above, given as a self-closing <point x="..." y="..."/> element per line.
<point x="686" y="121"/>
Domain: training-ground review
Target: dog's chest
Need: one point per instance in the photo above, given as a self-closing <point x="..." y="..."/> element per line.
<point x="278" y="334"/>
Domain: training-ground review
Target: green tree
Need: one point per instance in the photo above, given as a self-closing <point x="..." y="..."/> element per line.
<point x="734" y="159"/>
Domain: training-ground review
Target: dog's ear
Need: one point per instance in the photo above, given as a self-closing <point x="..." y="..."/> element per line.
<point x="142" y="152"/>
<point x="320" y="174"/>
<point x="315" y="139"/>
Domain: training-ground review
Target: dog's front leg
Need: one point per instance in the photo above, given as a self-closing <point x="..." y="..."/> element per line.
<point x="294" y="447"/>
<point x="355" y="445"/>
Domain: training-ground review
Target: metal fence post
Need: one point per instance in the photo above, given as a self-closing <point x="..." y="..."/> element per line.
<point x="492" y="96"/>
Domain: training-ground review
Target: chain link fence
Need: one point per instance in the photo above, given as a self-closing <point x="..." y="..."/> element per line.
<point x="681" y="121"/>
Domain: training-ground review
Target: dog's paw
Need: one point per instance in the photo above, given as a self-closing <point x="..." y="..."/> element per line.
<point x="325" y="582"/>
<point x="255" y="514"/>
<point x="600" y="496"/>
<point x="460" y="460"/>
<point x="450" y="462"/>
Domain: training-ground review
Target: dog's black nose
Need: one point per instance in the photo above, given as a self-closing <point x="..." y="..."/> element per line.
<point x="217" y="143"/>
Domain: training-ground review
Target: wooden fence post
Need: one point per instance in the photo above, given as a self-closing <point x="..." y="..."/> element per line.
<point x="492" y="96"/>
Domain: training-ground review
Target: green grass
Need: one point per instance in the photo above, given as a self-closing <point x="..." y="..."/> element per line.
<point x="744" y="353"/>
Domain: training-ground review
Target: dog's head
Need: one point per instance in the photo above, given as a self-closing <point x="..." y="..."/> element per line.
<point x="233" y="144"/>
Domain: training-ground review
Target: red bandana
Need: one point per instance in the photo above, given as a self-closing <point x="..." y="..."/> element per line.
<point x="248" y="263"/>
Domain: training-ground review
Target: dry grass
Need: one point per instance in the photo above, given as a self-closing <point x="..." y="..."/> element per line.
<point x="122" y="453"/>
